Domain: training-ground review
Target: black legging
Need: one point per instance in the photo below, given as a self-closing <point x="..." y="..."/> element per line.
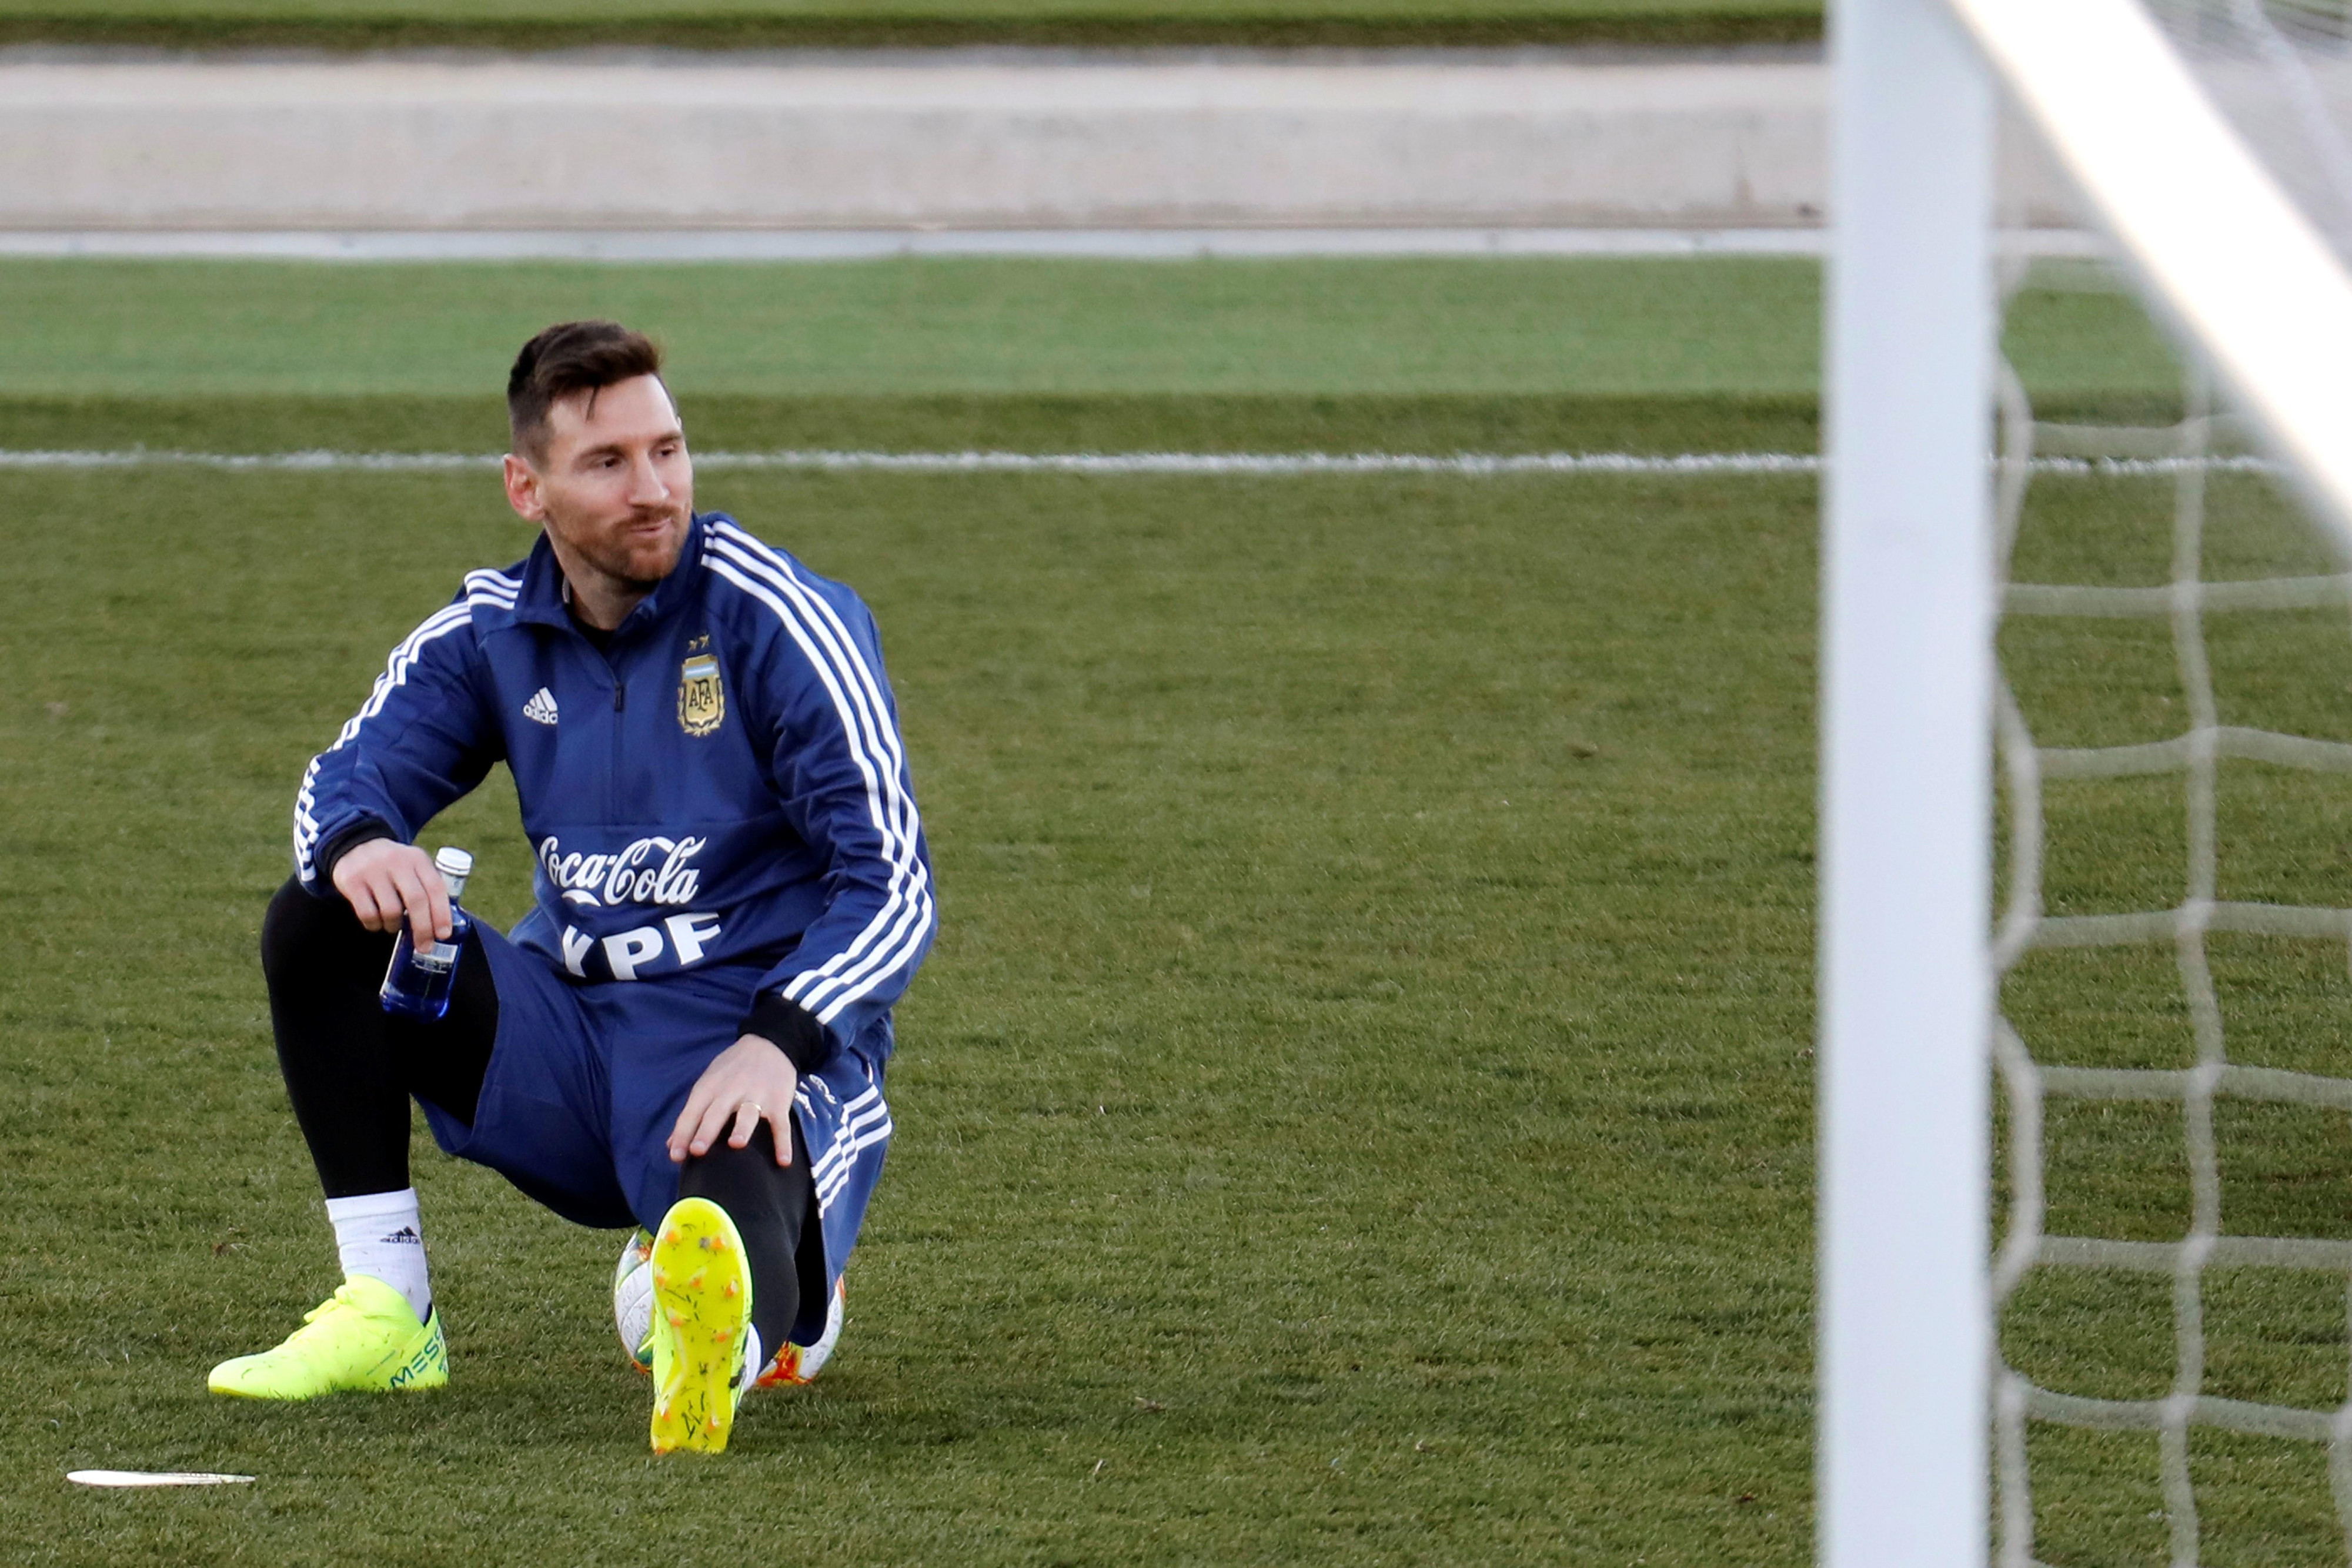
<point x="351" y="1067"/>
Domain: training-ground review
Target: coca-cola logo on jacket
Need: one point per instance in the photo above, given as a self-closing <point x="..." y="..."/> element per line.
<point x="650" y="870"/>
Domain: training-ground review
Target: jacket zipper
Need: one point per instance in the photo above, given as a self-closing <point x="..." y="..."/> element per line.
<point x="613" y="771"/>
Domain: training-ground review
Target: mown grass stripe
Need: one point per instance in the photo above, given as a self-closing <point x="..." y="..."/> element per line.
<point x="984" y="461"/>
<point x="1114" y="463"/>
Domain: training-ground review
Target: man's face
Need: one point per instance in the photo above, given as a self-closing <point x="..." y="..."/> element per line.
<point x="614" y="488"/>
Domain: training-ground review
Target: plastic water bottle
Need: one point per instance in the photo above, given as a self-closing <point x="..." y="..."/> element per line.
<point x="417" y="984"/>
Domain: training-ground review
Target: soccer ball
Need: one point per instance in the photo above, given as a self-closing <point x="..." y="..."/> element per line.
<point x="633" y="1299"/>
<point x="632" y="1318"/>
<point x="801" y="1363"/>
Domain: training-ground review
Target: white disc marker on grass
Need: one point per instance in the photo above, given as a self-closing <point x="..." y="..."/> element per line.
<point x="152" y="1478"/>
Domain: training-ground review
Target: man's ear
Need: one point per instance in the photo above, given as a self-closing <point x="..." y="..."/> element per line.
<point x="522" y="486"/>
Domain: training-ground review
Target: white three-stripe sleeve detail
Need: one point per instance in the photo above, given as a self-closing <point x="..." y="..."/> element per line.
<point x="828" y="675"/>
<point x="810" y="987"/>
<point x="904" y="914"/>
<point x="874" y="727"/>
<point x="908" y="905"/>
<point x="865" y="1128"/>
<point x="880" y="735"/>
<point x="395" y="674"/>
<point x="446" y="619"/>
<point x="306" y="826"/>
<point x="491" y="588"/>
<point x="839" y="1177"/>
<point x="863" y="1110"/>
<point x="909" y="898"/>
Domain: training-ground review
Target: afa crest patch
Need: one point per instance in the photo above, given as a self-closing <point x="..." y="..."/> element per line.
<point x="702" y="698"/>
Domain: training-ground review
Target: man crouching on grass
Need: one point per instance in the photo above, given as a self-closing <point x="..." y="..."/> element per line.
<point x="688" y="1032"/>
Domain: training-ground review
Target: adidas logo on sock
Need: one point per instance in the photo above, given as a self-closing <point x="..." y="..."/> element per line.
<point x="540" y="709"/>
<point x="405" y="1236"/>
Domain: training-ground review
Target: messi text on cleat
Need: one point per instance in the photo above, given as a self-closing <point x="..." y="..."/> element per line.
<point x="362" y="1339"/>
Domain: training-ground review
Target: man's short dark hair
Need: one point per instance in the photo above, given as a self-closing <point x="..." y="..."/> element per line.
<point x="570" y="356"/>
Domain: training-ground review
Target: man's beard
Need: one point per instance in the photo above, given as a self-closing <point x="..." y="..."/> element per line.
<point x="630" y="567"/>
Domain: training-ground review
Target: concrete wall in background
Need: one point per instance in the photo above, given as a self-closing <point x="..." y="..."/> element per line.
<point x="438" y="143"/>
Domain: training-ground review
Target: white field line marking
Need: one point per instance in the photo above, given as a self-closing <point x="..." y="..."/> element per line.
<point x="153" y="1479"/>
<point x="858" y="245"/>
<point x="855" y="245"/>
<point x="1108" y="462"/>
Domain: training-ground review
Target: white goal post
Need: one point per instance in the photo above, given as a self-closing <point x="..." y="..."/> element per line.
<point x="1906" y="987"/>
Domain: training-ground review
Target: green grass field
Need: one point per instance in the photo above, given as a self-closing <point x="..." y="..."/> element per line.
<point x="1736" y="328"/>
<point x="770" y="24"/>
<point x="1358" y="1109"/>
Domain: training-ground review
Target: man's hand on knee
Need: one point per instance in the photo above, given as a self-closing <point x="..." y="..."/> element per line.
<point x="386" y="881"/>
<point x="749" y="1082"/>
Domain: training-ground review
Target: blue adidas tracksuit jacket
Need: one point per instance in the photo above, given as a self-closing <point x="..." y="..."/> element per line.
<point x="723" y="784"/>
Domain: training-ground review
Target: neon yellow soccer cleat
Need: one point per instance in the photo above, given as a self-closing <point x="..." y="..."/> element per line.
<point x="365" y="1338"/>
<point x="633" y="1316"/>
<point x="702" y="1322"/>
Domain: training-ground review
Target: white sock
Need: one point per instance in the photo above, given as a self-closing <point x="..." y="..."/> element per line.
<point x="752" y="1365"/>
<point x="379" y="1235"/>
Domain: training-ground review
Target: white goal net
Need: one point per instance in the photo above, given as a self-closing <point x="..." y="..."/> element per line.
<point x="2136" y="737"/>
<point x="2173" y="1287"/>
<point x="2167" y="1321"/>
